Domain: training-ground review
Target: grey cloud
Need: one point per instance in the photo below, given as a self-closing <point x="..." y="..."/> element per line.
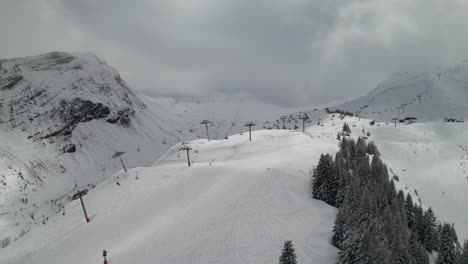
<point x="284" y="52"/>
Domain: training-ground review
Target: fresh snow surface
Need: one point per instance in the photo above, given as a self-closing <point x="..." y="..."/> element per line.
<point x="228" y="114"/>
<point x="37" y="175"/>
<point x="427" y="96"/>
<point x="431" y="162"/>
<point x="240" y="209"/>
<point x="429" y="159"/>
<point x="254" y="196"/>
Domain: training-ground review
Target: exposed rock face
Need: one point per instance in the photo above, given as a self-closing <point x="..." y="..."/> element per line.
<point x="62" y="115"/>
<point x="122" y="117"/>
<point x="9" y="77"/>
<point x="76" y="111"/>
<point x="48" y="95"/>
<point x="69" y="148"/>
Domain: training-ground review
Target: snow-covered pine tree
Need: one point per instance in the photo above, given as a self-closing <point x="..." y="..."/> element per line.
<point x="377" y="170"/>
<point x="439" y="233"/>
<point x="340" y="226"/>
<point x="374" y="245"/>
<point x="417" y="251"/>
<point x="346" y="128"/>
<point x="418" y="221"/>
<point x="396" y="232"/>
<point x="361" y="148"/>
<point x="325" y="180"/>
<point x="288" y="255"/>
<point x="454" y="236"/>
<point x="463" y="259"/>
<point x="344" y="176"/>
<point x="400" y="203"/>
<point x="372" y="149"/>
<point x="409" y="207"/>
<point x="375" y="223"/>
<point x="447" y="246"/>
<point x="347" y="215"/>
<point x="429" y="226"/>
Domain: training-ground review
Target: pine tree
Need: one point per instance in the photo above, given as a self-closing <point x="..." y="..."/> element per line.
<point x="346" y="128"/>
<point x="464" y="256"/>
<point x="439" y="233"/>
<point x="400" y="203"/>
<point x="375" y="223"/>
<point x="351" y="148"/>
<point x="361" y="149"/>
<point x="342" y="173"/>
<point x="409" y="207"/>
<point x="417" y="251"/>
<point x="447" y="246"/>
<point x="454" y="236"/>
<point x="373" y="247"/>
<point x="350" y="248"/>
<point x="372" y="149"/>
<point x="325" y="181"/>
<point x="429" y="227"/>
<point x="343" y="187"/>
<point x="398" y="236"/>
<point x="360" y="167"/>
<point x="418" y="222"/>
<point x="288" y="255"/>
<point x="347" y="215"/>
<point x="344" y="149"/>
<point x="339" y="228"/>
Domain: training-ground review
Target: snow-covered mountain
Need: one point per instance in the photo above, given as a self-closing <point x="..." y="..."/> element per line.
<point x="427" y="153"/>
<point x="428" y="96"/>
<point x="63" y="116"/>
<point x="240" y="200"/>
<point x="238" y="203"/>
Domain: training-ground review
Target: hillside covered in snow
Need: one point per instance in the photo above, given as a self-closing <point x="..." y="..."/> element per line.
<point x="241" y="199"/>
<point x="238" y="203"/>
<point x="64" y="115"/>
<point x="428" y="96"/>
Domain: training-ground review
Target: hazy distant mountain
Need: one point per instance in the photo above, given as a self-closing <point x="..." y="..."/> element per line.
<point x="429" y="96"/>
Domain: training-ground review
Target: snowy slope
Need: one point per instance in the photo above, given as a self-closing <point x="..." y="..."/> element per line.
<point x="428" y="96"/>
<point x="239" y="209"/>
<point x="252" y="197"/>
<point x="39" y="170"/>
<point x="228" y="114"/>
<point x="63" y="116"/>
<point x="429" y="156"/>
<point x="430" y="160"/>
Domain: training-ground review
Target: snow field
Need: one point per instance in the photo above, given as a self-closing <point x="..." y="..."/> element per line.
<point x="430" y="160"/>
<point x="240" y="209"/>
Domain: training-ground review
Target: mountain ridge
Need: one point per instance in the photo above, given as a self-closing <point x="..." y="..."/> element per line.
<point x="427" y="96"/>
<point x="63" y="116"/>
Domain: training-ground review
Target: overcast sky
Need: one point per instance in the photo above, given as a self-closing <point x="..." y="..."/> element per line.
<point x="287" y="52"/>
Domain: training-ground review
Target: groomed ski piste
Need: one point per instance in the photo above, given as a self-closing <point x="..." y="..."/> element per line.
<point x="241" y="200"/>
<point x="240" y="209"/>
